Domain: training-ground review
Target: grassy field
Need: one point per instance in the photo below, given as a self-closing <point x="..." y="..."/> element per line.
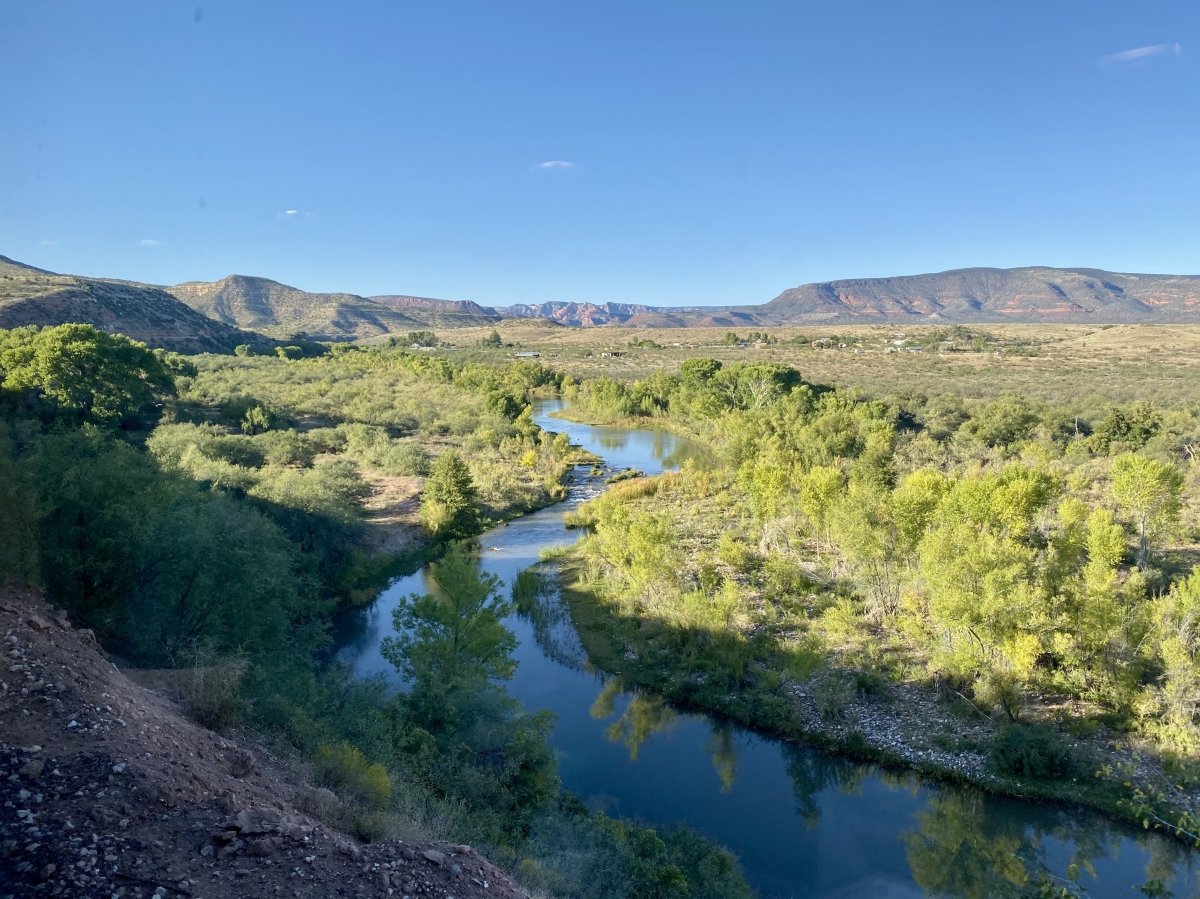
<point x="1082" y="368"/>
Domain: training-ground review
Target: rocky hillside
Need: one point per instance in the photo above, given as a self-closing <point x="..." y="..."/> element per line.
<point x="1033" y="294"/>
<point x="107" y="790"/>
<point x="32" y="296"/>
<point x="582" y="315"/>
<point x="266" y="306"/>
<point x="441" y="313"/>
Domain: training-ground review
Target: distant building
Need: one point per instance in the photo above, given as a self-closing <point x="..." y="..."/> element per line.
<point x="526" y="354"/>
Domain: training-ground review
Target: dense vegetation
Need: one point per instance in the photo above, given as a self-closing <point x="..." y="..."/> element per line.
<point x="209" y="514"/>
<point x="1033" y="565"/>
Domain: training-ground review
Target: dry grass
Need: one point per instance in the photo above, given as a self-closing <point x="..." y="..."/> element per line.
<point x="1081" y="367"/>
<point x="393" y="511"/>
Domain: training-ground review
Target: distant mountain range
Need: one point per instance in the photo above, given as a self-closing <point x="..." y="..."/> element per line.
<point x="1033" y="294"/>
<point x="281" y="311"/>
<point x="969" y="295"/>
<point x="33" y="296"/>
<point x="452" y="312"/>
<point x="216" y="315"/>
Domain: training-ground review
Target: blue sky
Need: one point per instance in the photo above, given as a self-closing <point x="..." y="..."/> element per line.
<point x="707" y="153"/>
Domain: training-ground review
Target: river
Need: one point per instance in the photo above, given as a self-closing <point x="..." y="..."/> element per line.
<point x="804" y="823"/>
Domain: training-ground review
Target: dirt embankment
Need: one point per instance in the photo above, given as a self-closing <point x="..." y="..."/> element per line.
<point x="107" y="790"/>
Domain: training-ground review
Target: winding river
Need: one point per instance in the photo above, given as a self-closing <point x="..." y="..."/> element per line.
<point x="803" y="823"/>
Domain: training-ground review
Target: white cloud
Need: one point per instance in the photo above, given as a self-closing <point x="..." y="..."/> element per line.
<point x="291" y="215"/>
<point x="150" y="242"/>
<point x="1139" y="54"/>
<point x="551" y="164"/>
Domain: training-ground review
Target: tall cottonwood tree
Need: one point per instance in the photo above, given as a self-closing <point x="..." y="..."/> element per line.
<point x="83" y="372"/>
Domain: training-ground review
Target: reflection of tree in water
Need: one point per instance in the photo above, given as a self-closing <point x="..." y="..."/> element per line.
<point x="644" y="717"/>
<point x="723" y="748"/>
<point x="960" y="847"/>
<point x="675" y="453"/>
<point x="1092" y="837"/>
<point x="812" y="772"/>
<point x="958" y="850"/>
<point x="538" y="599"/>
<point x="612" y="440"/>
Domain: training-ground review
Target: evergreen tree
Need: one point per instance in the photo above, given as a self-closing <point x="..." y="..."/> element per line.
<point x="448" y="503"/>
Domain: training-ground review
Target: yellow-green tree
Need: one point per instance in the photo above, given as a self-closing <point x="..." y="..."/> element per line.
<point x="1148" y="491"/>
<point x="816" y="491"/>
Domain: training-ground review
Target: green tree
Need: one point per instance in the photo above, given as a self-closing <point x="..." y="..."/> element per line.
<point x="19" y="500"/>
<point x="421" y="338"/>
<point x="1174" y="701"/>
<point x="449" y="643"/>
<point x="816" y="492"/>
<point x="256" y="420"/>
<point x="1127" y="427"/>
<point x="493" y="341"/>
<point x="448" y="501"/>
<point x="1002" y="422"/>
<point x="912" y="505"/>
<point x="1148" y="491"/>
<point x="86" y="373"/>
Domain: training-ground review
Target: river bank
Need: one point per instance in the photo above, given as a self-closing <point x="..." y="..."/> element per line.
<point x="907" y="726"/>
<point x="401" y="545"/>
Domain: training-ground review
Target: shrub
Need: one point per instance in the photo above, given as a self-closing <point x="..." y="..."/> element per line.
<point x="406" y="459"/>
<point x="286" y="448"/>
<point x="212" y="695"/>
<point x="344" y="767"/>
<point x="832" y="693"/>
<point x="872" y="683"/>
<point x="1031" y="750"/>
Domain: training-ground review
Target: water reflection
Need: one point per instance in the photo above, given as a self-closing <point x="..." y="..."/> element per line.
<point x="813" y="773"/>
<point x="612" y="441"/>
<point x="537" y="599"/>
<point x="957" y="850"/>
<point x="644" y="716"/>
<point x="651" y="451"/>
<point x="723" y="748"/>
